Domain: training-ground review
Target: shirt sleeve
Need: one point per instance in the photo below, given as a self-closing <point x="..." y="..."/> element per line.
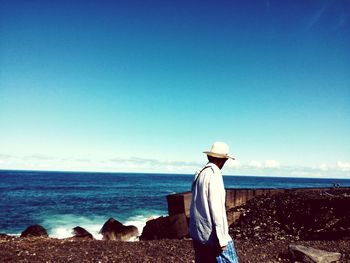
<point x="217" y="208"/>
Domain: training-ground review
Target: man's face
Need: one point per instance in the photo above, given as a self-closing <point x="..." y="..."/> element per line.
<point x="222" y="163"/>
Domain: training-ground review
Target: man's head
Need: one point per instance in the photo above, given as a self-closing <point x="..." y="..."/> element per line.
<point x="219" y="154"/>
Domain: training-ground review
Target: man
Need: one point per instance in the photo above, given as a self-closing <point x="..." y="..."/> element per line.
<point x="208" y="221"/>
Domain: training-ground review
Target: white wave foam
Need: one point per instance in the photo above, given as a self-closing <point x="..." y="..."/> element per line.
<point x="14" y="235"/>
<point x="61" y="226"/>
<point x="139" y="221"/>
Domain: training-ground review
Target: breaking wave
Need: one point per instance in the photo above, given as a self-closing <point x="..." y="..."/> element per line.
<point x="61" y="226"/>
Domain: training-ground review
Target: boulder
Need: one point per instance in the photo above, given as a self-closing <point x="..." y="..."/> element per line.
<point x="35" y="231"/>
<point x="129" y="232"/>
<point x="172" y="227"/>
<point x="114" y="230"/>
<point x="312" y="255"/>
<point x="80" y="232"/>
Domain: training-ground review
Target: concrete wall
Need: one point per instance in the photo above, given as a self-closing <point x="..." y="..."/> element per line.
<point x="181" y="202"/>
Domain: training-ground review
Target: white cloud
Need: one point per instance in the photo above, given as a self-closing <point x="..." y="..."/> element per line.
<point x="272" y="164"/>
<point x="267" y="164"/>
<point x="88" y="163"/>
<point x="138" y="164"/>
<point x="146" y="164"/>
<point x="5" y="156"/>
<point x="255" y="164"/>
<point x="233" y="163"/>
<point x="323" y="167"/>
<point x="343" y="166"/>
<point x="304" y="173"/>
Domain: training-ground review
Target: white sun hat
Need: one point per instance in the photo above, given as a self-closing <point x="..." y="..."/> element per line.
<point x="219" y="150"/>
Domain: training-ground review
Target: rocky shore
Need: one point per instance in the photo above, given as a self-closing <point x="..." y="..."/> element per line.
<point x="294" y="215"/>
<point x="267" y="227"/>
<point x="72" y="250"/>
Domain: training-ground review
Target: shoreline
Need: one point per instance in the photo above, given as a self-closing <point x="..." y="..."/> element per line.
<point x="61" y="231"/>
<point x="267" y="225"/>
<point x="258" y="237"/>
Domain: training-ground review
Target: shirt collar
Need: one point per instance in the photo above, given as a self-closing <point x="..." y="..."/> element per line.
<point x="213" y="165"/>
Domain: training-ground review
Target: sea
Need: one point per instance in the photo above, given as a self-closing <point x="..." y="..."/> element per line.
<point x="60" y="201"/>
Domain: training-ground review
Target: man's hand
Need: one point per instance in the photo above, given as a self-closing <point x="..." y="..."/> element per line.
<point x="223" y="248"/>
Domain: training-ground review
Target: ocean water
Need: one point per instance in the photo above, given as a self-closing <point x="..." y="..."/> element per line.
<point x="62" y="200"/>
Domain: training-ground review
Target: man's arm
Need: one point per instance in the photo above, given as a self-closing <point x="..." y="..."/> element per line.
<point x="217" y="208"/>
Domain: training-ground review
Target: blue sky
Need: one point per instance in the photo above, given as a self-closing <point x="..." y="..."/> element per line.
<point x="148" y="85"/>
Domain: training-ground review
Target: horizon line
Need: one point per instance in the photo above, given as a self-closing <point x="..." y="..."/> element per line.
<point x="171" y="173"/>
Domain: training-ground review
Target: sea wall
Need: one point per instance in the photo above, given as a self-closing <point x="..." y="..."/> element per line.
<point x="175" y="225"/>
<point x="180" y="203"/>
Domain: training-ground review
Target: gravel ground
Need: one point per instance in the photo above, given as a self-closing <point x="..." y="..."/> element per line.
<point x="73" y="250"/>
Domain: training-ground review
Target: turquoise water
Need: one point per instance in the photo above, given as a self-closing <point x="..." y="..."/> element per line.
<point x="62" y="200"/>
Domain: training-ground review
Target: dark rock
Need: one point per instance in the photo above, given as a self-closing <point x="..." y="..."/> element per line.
<point x="114" y="230"/>
<point x="312" y="255"/>
<point x="129" y="232"/>
<point x="173" y="227"/>
<point x="35" y="231"/>
<point x="80" y="232"/>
